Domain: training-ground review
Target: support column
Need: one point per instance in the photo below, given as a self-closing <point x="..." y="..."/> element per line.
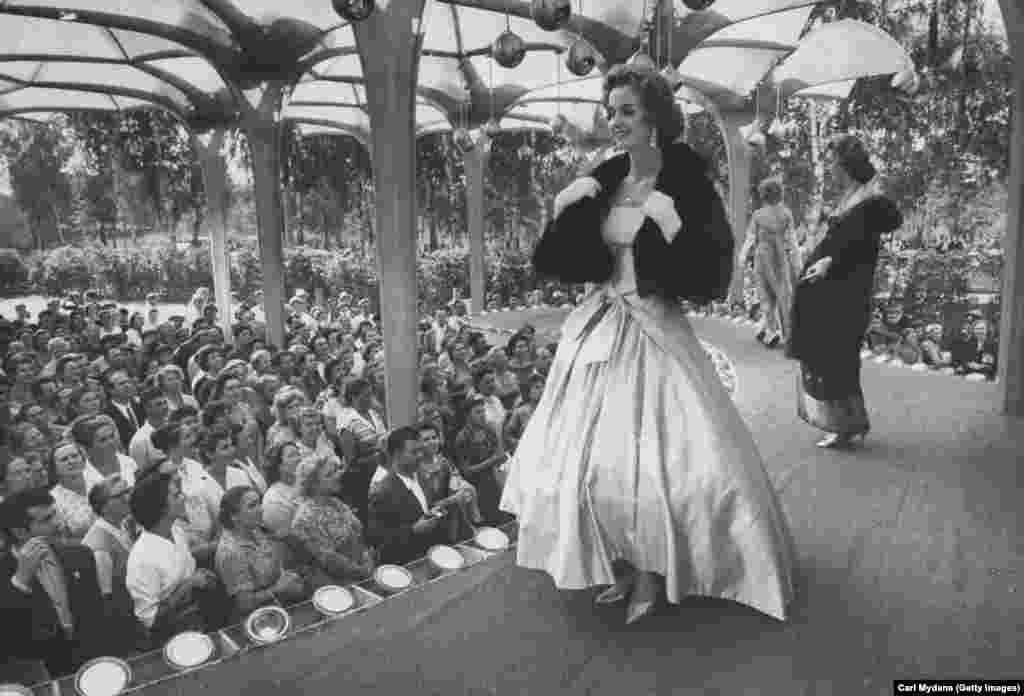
<point x="1011" y="327"/>
<point x="389" y="48"/>
<point x="215" y="185"/>
<point x="738" y="154"/>
<point x="476" y="165"/>
<point x="261" y="121"/>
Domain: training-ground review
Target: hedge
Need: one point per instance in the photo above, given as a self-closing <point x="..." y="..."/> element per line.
<point x="929" y="281"/>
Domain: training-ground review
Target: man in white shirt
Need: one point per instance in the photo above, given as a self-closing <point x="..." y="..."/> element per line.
<point x="166" y="587"/>
<point x="141" y="448"/>
<point x="402" y="524"/>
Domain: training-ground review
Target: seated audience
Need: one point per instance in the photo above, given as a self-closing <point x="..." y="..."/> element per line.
<point x="249" y="561"/>
<point x="326" y="533"/>
<point x="51" y="606"/>
<point x="402" y="523"/>
<point x="170" y="593"/>
<point x="282" y="497"/>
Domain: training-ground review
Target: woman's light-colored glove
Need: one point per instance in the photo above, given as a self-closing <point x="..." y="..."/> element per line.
<point x="585" y="186"/>
<point x="662" y="209"/>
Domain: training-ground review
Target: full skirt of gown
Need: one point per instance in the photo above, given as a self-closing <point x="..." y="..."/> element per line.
<point x="637" y="453"/>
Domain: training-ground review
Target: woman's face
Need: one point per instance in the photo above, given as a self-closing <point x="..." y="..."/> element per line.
<point x="431" y="442"/>
<point x="232" y="391"/>
<point x="68" y="462"/>
<point x="189" y="432"/>
<point x="330" y="477"/>
<point x="459" y="352"/>
<point x="34" y="438"/>
<point x="310" y="426"/>
<point x="292" y="408"/>
<point x="980" y="330"/>
<point x="521" y="350"/>
<point x="290" y="459"/>
<point x="36" y="415"/>
<point x="250" y="512"/>
<point x="536" y="391"/>
<point x="23" y="475"/>
<point x="106" y="439"/>
<point x="172" y="382"/>
<point x="627" y="119"/>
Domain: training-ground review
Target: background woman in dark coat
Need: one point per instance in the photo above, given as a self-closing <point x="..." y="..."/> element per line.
<point x="832" y="302"/>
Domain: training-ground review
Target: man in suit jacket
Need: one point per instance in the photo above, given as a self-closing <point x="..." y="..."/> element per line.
<point x="50" y="600"/>
<point x="401" y="523"/>
<point x="124" y="406"/>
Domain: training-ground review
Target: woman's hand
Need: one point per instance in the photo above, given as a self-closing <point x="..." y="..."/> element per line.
<point x="577" y="190"/>
<point x="662" y="209"/>
<point x="818" y="269"/>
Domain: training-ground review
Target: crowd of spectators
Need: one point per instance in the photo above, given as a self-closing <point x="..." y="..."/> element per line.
<point x="158" y="476"/>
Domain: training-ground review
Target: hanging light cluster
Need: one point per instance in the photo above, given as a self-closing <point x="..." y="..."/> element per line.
<point x="581" y="58"/>
<point x="354" y="10"/>
<point x="509" y="49"/>
<point x="551" y="14"/>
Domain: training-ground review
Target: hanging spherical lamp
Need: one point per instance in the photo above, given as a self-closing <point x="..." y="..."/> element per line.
<point x="463" y="140"/>
<point x="492" y="128"/>
<point x="698" y="5"/>
<point x="354" y="10"/>
<point x="551" y="14"/>
<point x="508" y="49"/>
<point x="581" y="58"/>
<point x="640" y="59"/>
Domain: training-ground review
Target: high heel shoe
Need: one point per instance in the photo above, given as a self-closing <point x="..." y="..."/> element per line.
<point x="774" y="341"/>
<point x="837" y="441"/>
<point x="643" y="603"/>
<point x="612" y="595"/>
<point x="617" y="592"/>
<point x="639" y="610"/>
<point x="760" y="335"/>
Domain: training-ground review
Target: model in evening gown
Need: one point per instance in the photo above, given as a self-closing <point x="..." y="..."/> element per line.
<point x="636" y="469"/>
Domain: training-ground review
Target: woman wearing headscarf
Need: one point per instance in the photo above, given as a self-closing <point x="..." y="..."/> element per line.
<point x="832" y="302"/>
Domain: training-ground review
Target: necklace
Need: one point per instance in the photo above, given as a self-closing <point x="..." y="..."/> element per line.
<point x="639" y="188"/>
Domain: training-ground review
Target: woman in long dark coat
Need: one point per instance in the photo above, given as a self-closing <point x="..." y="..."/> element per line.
<point x="832" y="302"/>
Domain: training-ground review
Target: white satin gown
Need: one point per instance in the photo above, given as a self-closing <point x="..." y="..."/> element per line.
<point x="636" y="452"/>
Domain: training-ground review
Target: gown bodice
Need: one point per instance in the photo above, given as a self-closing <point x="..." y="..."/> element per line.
<point x="618" y="232"/>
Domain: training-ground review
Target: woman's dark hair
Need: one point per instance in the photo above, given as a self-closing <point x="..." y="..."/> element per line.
<point x="180" y="414"/>
<point x="213" y="437"/>
<point x="510" y="347"/>
<point x="770" y="191"/>
<point x="427" y="425"/>
<point x="167" y="436"/>
<point x="231" y="504"/>
<point x="149" y="498"/>
<point x="656" y="97"/>
<point x="222" y="379"/>
<point x="853" y="157"/>
<point x="398" y="438"/>
<point x="275" y="457"/>
<point x="215" y="410"/>
<point x="354" y="388"/>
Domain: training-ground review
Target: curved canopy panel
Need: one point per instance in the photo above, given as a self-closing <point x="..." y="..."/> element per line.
<point x="188" y="22"/>
<point x="843" y="50"/>
<point x="45" y="62"/>
<point x="753" y="37"/>
<point x="828" y="91"/>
